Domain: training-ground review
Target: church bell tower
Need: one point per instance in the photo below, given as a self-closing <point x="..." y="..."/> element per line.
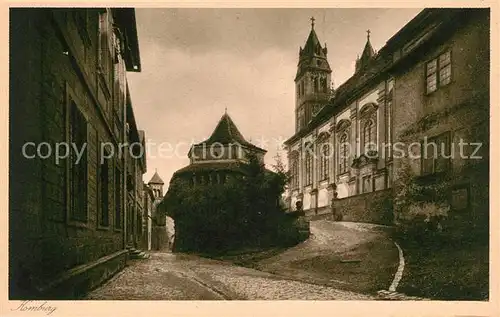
<point x="312" y="81"/>
<point x="156" y="184"/>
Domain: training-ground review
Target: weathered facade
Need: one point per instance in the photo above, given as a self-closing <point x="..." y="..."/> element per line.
<point x="67" y="215"/>
<point x="441" y="96"/>
<point x="135" y="160"/>
<point x="430" y="80"/>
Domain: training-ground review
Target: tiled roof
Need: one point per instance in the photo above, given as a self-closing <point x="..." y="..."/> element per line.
<point x="226" y="132"/>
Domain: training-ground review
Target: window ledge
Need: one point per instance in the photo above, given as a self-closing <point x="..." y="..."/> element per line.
<point x="346" y="173"/>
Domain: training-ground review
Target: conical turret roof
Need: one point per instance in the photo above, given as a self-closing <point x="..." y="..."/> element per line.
<point x="226" y="133"/>
<point x="156" y="179"/>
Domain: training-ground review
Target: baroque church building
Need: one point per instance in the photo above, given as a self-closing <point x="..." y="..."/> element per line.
<point x="336" y="154"/>
<point x="363" y="148"/>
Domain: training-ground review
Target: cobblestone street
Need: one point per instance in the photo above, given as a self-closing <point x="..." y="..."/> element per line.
<point x="167" y="276"/>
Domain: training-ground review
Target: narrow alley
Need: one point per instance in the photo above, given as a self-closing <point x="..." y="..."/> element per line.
<point x="167" y="276"/>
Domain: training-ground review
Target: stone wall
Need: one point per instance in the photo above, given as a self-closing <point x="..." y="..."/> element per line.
<point x="374" y="207"/>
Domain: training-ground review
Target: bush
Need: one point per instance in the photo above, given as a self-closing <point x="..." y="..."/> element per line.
<point x="421" y="207"/>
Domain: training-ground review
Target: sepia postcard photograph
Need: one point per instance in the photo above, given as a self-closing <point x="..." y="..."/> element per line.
<point x="219" y="154"/>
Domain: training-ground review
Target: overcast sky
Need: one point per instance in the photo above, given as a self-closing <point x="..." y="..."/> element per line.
<point x="197" y="62"/>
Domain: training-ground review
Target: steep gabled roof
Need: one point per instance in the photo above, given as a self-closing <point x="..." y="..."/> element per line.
<point x="226" y="133"/>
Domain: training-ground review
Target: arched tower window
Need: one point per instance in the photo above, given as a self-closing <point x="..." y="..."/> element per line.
<point x="324" y="87"/>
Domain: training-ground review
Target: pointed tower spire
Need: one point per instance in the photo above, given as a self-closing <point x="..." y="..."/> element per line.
<point x="367" y="55"/>
<point x="312" y="79"/>
<point x="311" y="52"/>
<point x="368" y="51"/>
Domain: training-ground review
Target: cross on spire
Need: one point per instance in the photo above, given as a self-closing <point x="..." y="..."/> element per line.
<point x="368" y="33"/>
<point x="312" y="22"/>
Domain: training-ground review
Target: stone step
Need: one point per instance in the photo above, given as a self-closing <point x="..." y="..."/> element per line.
<point x="138" y="254"/>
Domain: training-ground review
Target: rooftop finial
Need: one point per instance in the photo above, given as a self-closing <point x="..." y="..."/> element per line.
<point x="225" y="110"/>
<point x="368" y="34"/>
<point x="312" y="22"/>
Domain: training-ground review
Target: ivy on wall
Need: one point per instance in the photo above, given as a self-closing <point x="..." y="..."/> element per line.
<point x="419" y="197"/>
